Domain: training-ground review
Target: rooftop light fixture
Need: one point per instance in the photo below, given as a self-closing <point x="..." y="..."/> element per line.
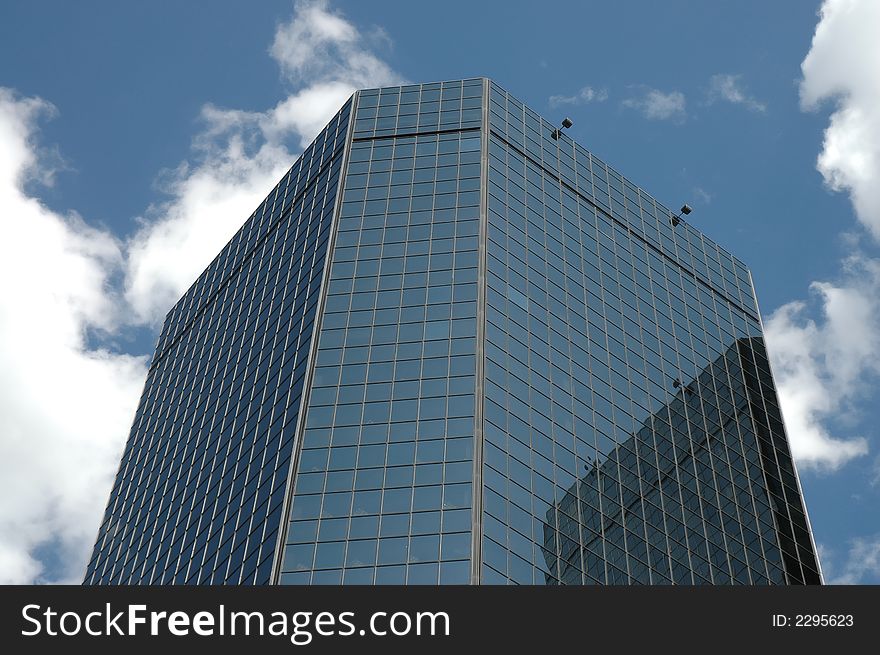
<point x="566" y="123"/>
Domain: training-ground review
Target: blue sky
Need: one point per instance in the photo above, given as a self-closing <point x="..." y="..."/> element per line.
<point x="137" y="136"/>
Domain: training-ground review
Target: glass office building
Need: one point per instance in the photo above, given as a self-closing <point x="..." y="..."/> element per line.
<point x="451" y="347"/>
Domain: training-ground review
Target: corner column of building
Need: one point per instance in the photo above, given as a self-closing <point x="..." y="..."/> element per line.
<point x="313" y="349"/>
<point x="479" y="388"/>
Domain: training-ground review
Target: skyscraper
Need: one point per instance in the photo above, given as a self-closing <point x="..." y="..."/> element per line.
<point x="453" y="346"/>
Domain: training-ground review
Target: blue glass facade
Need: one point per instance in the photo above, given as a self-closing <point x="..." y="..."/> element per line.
<point x="524" y="370"/>
<point x="632" y="430"/>
<point x="199" y="494"/>
<point x="383" y="490"/>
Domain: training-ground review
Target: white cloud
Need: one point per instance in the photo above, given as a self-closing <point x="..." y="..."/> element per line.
<point x="823" y="368"/>
<point x="702" y="195"/>
<point x="321" y="45"/>
<point x="65" y="406"/>
<point x="729" y="88"/>
<point x="241" y="155"/>
<point x="209" y="201"/>
<point x="826" y="368"/>
<point x="658" y="105"/>
<point x="862" y="564"/>
<point x="585" y="95"/>
<point x="842" y="66"/>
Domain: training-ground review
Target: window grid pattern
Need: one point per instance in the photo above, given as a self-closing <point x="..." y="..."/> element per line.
<point x="632" y="433"/>
<point x="419" y="109"/>
<point x="383" y="487"/>
<point x="198" y="497"/>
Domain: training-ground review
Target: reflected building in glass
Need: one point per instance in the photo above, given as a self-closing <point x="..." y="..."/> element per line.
<point x="685" y="499"/>
<point x="449" y="348"/>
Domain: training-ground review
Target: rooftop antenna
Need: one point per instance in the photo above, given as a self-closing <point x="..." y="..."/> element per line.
<point x="566" y="123"/>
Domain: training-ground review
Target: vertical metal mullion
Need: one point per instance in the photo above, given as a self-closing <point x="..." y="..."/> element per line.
<point x="479" y="387"/>
<point x="313" y="350"/>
